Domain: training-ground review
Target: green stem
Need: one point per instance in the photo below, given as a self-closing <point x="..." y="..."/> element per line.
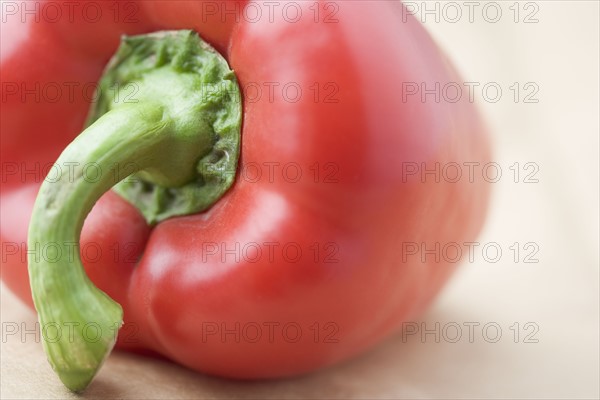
<point x="66" y="300"/>
<point x="183" y="147"/>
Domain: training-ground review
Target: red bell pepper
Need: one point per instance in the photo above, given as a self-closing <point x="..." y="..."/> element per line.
<point x="299" y="263"/>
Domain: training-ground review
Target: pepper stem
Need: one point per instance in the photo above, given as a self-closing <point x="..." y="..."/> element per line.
<point x="65" y="298"/>
<point x="169" y="137"/>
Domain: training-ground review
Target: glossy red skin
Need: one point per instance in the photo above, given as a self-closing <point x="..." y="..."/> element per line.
<point x="175" y="290"/>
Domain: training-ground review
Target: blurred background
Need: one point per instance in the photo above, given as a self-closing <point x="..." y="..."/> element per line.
<point x="529" y="319"/>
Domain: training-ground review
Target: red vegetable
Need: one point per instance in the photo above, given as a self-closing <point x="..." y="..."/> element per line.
<point x="301" y="263"/>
